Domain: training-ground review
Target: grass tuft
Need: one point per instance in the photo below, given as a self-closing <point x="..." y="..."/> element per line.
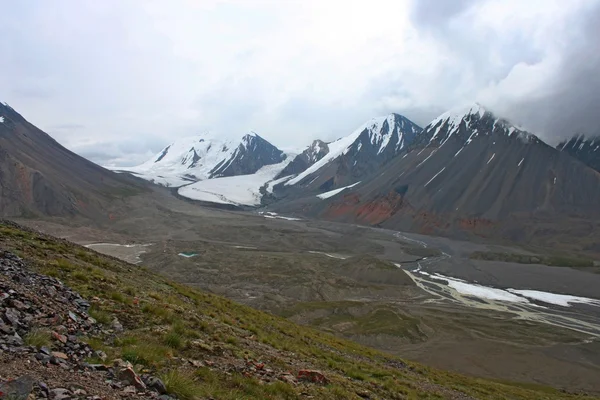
<point x="181" y="384"/>
<point x="102" y="317"/>
<point x="38" y="338"/>
<point x="174" y="340"/>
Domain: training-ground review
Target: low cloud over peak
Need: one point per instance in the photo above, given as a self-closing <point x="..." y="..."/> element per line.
<point x="102" y="77"/>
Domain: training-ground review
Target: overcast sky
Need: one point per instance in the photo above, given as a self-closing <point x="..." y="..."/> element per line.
<point x="117" y="80"/>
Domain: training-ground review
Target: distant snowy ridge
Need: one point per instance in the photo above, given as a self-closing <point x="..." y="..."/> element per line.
<point x="204" y="157"/>
<point x="475" y="119"/>
<point x="391" y="134"/>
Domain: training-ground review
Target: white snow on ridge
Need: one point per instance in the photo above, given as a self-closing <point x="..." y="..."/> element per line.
<point x="190" y="159"/>
<point x="1" y="119"/>
<point x="491" y="158"/>
<point x="237" y="190"/>
<point x="455" y="115"/>
<point x="332" y="193"/>
<point x="552" y="298"/>
<point x="336" y="149"/>
<point x="378" y="139"/>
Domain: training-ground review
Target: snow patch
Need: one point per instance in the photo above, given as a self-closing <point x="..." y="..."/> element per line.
<point x="553" y="298"/>
<point x="435" y="176"/>
<point x="339" y="257"/>
<point x="426" y="158"/>
<point x="480" y="291"/>
<point x="282" y="217"/>
<point x="490" y="160"/>
<point x="521" y="162"/>
<point x="332" y="193"/>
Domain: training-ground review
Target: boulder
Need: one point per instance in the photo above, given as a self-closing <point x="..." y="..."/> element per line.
<point x="313" y="376"/>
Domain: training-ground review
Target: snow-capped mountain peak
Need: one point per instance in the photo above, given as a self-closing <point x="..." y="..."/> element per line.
<point x="206" y="156"/>
<point x="379" y="138"/>
<point x="316" y="150"/>
<point x="468" y="122"/>
<point x="456" y="115"/>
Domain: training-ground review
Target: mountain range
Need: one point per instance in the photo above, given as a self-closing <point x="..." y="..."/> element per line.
<point x="198" y="158"/>
<point x="466" y="171"/>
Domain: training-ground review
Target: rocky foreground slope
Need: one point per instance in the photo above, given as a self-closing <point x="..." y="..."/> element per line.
<point x="78" y="325"/>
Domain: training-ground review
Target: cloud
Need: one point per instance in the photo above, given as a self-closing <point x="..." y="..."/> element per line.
<point x="110" y="74"/>
<point x="568" y="99"/>
<point x="128" y="152"/>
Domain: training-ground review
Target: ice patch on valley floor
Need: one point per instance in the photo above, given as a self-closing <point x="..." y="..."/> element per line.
<point x="273" y="215"/>
<point x="480" y="291"/>
<point x="111" y="249"/>
<point x="332" y="193"/>
<point x="564" y="300"/>
<point x="336" y="256"/>
<point x="509" y="295"/>
<point x="187" y="255"/>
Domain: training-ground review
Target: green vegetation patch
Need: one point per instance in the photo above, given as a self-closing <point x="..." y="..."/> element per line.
<point x="551" y="260"/>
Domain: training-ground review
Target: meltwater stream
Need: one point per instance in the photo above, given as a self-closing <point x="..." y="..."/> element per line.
<point x="555" y="309"/>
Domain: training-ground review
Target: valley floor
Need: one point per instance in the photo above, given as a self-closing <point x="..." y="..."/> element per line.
<point x="447" y="310"/>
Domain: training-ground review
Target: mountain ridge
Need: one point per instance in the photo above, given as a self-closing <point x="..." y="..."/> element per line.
<point x="466" y="172"/>
<point x="352" y="157"/>
<point x="585" y="149"/>
<point x="38" y="176"/>
<point x="197" y="158"/>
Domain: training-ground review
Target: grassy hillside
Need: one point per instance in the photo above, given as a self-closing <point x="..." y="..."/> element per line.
<point x="205" y="346"/>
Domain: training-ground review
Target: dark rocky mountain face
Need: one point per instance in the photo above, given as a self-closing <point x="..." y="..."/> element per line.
<point x="38" y="176"/>
<point x="252" y="154"/>
<point x="315" y="152"/>
<point x="354" y="157"/>
<point x="586" y="150"/>
<point x="467" y="172"/>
